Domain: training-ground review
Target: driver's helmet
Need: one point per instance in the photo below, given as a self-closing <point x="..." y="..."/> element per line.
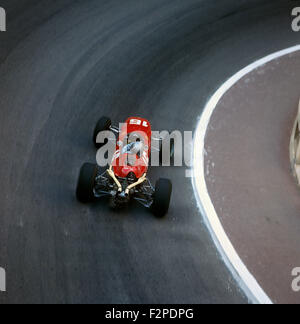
<point x="134" y="137"/>
<point x="135" y="146"/>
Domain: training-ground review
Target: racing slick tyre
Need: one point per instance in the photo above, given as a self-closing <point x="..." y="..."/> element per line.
<point x="172" y="152"/>
<point x="86" y="182"/>
<point x="103" y="124"/>
<point x="162" y="197"/>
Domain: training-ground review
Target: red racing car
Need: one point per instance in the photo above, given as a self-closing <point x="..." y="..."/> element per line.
<point x="126" y="178"/>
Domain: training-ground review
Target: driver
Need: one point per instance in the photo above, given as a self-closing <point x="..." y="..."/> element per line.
<point x="135" y="146"/>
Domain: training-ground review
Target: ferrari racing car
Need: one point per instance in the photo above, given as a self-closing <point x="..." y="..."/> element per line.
<point x="126" y="178"/>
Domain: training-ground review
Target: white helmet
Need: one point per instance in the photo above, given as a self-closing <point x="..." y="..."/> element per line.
<point x="137" y="147"/>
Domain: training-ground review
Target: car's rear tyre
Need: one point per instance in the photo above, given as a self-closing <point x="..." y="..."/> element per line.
<point x="162" y="197"/>
<point x="103" y="124"/>
<point x="86" y="182"/>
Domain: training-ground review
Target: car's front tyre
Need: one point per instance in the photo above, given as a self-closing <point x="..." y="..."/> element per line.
<point x="103" y="124"/>
<point x="171" y="152"/>
<point x="86" y="183"/>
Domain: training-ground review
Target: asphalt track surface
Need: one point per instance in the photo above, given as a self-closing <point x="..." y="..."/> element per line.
<point x="63" y="65"/>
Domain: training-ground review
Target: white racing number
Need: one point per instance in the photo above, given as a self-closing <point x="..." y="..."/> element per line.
<point x="138" y="122"/>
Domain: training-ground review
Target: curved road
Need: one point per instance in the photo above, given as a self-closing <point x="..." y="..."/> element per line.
<point x="65" y="63"/>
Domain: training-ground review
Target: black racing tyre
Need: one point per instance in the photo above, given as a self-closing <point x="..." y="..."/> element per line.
<point x="86" y="182"/>
<point x="172" y="151"/>
<point x="160" y="152"/>
<point x="162" y="197"/>
<point x="103" y="124"/>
